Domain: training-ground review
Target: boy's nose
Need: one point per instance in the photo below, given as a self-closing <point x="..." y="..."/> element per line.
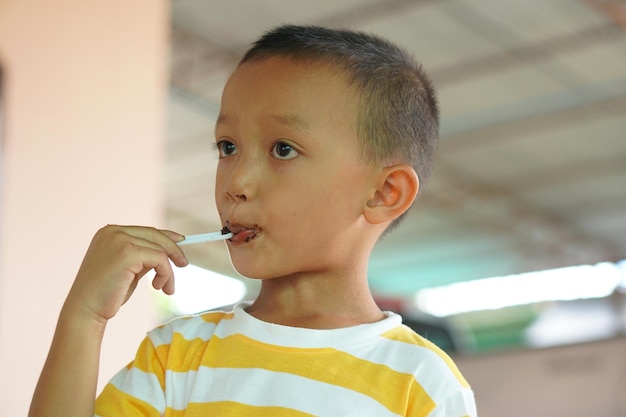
<point x="239" y="188"/>
<point x="242" y="180"/>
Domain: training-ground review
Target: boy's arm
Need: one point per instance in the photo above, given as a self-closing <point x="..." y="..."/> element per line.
<point x="67" y="385"/>
<point x="117" y="258"/>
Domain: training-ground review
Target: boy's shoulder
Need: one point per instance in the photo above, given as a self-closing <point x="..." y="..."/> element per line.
<point x="422" y="351"/>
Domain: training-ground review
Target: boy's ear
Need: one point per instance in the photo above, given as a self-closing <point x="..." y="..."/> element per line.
<point x="396" y="189"/>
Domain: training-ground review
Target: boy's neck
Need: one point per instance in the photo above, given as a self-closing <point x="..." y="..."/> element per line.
<point x="309" y="302"/>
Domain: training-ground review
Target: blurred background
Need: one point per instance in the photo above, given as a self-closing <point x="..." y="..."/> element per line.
<point x="512" y="259"/>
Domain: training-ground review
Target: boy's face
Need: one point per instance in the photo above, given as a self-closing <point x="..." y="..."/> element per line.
<point x="290" y="182"/>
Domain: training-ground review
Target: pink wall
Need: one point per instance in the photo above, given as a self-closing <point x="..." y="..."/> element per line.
<point x="84" y="143"/>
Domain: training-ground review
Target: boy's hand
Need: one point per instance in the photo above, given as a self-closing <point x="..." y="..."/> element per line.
<point x="115" y="261"/>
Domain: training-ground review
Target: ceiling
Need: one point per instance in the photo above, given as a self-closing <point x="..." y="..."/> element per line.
<point x="531" y="167"/>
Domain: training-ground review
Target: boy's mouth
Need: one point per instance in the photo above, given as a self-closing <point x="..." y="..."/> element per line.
<point x="241" y="233"/>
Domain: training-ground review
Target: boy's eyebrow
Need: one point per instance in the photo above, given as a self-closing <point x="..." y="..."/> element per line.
<point x="221" y="119"/>
<point x="292" y="121"/>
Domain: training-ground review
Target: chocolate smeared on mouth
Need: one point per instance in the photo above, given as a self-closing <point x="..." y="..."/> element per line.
<point x="225" y="230"/>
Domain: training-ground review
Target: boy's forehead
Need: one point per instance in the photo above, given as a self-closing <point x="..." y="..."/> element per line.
<point x="280" y="69"/>
<point x="290" y="91"/>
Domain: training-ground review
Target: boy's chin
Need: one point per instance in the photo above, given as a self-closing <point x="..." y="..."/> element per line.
<point x="258" y="273"/>
<point x="246" y="270"/>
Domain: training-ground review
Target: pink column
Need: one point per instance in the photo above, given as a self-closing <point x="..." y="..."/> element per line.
<point x="84" y="96"/>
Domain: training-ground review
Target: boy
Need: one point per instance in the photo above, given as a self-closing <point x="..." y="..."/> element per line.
<point x="323" y="137"/>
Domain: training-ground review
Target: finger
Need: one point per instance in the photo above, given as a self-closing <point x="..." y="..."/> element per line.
<point x="150" y="256"/>
<point x="181" y="259"/>
<point x="164" y="279"/>
<point x="169" y="288"/>
<point x="166" y="239"/>
<point x="176" y="237"/>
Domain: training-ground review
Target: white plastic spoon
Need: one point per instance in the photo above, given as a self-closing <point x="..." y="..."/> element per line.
<point x="204" y="237"/>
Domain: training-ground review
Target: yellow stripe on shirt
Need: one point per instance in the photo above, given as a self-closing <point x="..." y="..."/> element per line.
<point x="114" y="402"/>
<point x="230" y="408"/>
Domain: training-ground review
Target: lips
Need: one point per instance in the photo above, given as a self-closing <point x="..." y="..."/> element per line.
<point x="241" y="233"/>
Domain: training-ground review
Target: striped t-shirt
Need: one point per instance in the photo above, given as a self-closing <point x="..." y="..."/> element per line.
<point x="232" y="364"/>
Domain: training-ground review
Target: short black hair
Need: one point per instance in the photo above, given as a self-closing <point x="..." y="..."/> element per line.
<point x="398" y="118"/>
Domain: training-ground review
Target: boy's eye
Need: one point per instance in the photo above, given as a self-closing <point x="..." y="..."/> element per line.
<point x="282" y="150"/>
<point x="226" y="148"/>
